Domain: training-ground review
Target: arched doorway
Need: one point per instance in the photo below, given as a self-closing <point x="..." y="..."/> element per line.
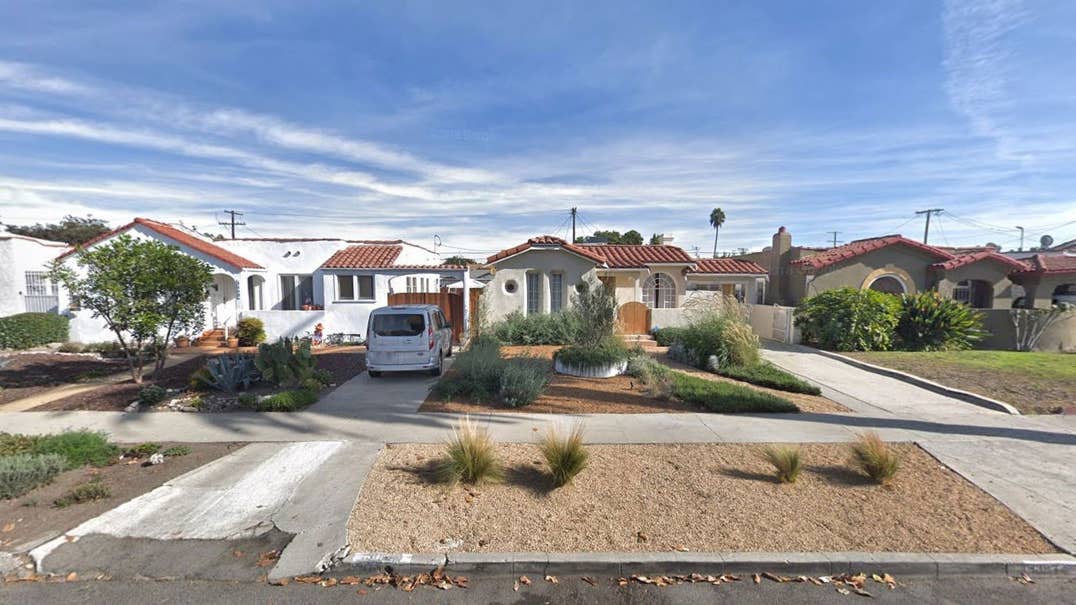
<point x="659" y="291"/>
<point x="890" y="284"/>
<point x="975" y="293"/>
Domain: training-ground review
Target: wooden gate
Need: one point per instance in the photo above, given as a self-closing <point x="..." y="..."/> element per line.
<point x="634" y="318"/>
<point x="450" y="302"/>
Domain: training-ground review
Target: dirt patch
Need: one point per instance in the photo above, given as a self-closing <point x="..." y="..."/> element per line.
<point x="33" y="517"/>
<point x="699" y="497"/>
<point x="27" y="374"/>
<point x="617" y="395"/>
<point x="344" y="363"/>
<point x="116" y="397"/>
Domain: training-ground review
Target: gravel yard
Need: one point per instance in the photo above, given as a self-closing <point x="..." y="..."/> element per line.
<point x="698" y="497"/>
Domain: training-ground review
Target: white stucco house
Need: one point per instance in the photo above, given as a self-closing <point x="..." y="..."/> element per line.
<point x="291" y="284"/>
<point x="24" y="285"/>
<point x="537" y="276"/>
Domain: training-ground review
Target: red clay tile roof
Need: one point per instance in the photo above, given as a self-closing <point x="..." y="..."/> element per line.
<point x="363" y="257"/>
<point x="180" y="237"/>
<point x="545" y="241"/>
<point x="863" y="246"/>
<point x="967" y="259"/>
<point x="1053" y="264"/>
<point x="628" y="256"/>
<point x="726" y="265"/>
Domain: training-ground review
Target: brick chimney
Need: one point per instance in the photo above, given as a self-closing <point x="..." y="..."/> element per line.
<point x="779" y="259"/>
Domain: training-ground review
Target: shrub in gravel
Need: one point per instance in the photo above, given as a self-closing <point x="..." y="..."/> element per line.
<point x="15" y="443"/>
<point x="785" y="460"/>
<point x="151" y="395"/>
<point x="522" y="381"/>
<point x="564" y="453"/>
<point x="143" y="450"/>
<point x="475" y="375"/>
<point x="176" y="450"/>
<point x="288" y="401"/>
<point x="23" y="472"/>
<point x="470" y="456"/>
<point x="875" y="458"/>
<point x="87" y="492"/>
<point x="79" y="448"/>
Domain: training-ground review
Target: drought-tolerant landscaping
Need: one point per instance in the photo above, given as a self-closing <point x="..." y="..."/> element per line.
<point x="1036" y="383"/>
<point x="23" y="375"/>
<point x="697" y="497"/>
<point x="51" y="483"/>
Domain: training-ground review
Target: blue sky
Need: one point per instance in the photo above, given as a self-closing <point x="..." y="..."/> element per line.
<point x="483" y="123"/>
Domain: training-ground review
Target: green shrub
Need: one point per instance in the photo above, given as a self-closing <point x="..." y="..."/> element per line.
<point x="718" y="336"/>
<point x="196" y="402"/>
<point x="72" y="347"/>
<point x="87" y="492"/>
<point x="655" y="376"/>
<point x="151" y="394"/>
<point x="538" y="329"/>
<point x="288" y="401"/>
<point x="79" y="448"/>
<point x="143" y="450"/>
<point x="16" y="443"/>
<point x="610" y="352"/>
<point x="785" y="460"/>
<point x="176" y="450"/>
<point x="768" y="375"/>
<point x="596" y="309"/>
<point x="849" y="319"/>
<point x="286" y="362"/>
<point x="250" y="331"/>
<point x="325" y="377"/>
<point x="929" y="322"/>
<point x="313" y="385"/>
<point x="522" y="381"/>
<point x="23" y="472"/>
<point x="874" y="458"/>
<point x="476" y="374"/>
<point x="470" y="456"/>
<point x="107" y="348"/>
<point x="248" y="401"/>
<point x="725" y="398"/>
<point x="565" y="454"/>
<point x="667" y="336"/>
<point x="27" y="330"/>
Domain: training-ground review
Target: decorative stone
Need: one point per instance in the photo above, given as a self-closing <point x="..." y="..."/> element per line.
<point x="134" y="406"/>
<point x="602" y="371"/>
<point x="156" y="459"/>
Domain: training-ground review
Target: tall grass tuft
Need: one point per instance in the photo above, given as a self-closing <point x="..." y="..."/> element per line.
<point x="565" y="454"/>
<point x="786" y="461"/>
<point x="470" y="456"/>
<point x="874" y="457"/>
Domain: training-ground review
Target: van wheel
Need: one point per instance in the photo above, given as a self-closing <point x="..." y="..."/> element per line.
<point x="374" y="374"/>
<point x="440" y="365"/>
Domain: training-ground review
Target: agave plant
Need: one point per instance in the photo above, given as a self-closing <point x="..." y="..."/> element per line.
<point x="229" y="373"/>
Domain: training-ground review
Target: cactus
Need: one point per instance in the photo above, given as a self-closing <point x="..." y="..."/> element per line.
<point x="229" y="372"/>
<point x="286" y="362"/>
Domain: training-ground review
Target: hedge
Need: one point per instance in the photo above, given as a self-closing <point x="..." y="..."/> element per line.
<point x="27" y="330"/>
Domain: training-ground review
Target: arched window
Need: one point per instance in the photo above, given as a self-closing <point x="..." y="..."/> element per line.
<point x="255" y="287"/>
<point x="890" y="284"/>
<point x="659" y="291"/>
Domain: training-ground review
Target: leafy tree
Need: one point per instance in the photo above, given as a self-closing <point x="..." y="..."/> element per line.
<point x="73" y="230"/>
<point x="632" y="237"/>
<point x="459" y="260"/>
<point x="717" y="218"/>
<point x="144" y="290"/>
<point x="657" y="239"/>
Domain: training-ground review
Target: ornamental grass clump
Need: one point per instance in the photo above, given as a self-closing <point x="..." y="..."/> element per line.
<point x="875" y="458"/>
<point x="564" y="453"/>
<point x="786" y="461"/>
<point x="470" y="456"/>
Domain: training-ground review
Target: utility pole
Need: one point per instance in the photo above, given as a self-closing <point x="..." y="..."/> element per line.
<point x="834" y="237"/>
<point x="928" y="212"/>
<point x="232" y="214"/>
<point x="1021" y="237"/>
<point x="574" y="212"/>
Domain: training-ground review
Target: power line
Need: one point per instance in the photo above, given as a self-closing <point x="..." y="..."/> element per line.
<point x="928" y="212"/>
<point x="233" y="214"/>
<point x="834" y="237"/>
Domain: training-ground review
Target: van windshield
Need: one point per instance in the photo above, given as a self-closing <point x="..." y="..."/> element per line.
<point x="410" y="324"/>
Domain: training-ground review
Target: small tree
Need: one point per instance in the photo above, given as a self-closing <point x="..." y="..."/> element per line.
<point x="144" y="290"/>
<point x="596" y="309"/>
<point x="1031" y="324"/>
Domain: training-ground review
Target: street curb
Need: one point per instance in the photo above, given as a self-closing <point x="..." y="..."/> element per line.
<point x="715" y="563"/>
<point x="941" y="389"/>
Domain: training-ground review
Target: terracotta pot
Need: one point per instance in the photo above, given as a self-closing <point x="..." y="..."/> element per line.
<point x="308" y="307"/>
<point x="182" y="342"/>
<point x="233" y="343"/>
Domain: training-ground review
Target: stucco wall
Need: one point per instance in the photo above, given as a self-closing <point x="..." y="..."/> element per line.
<point x="1002" y="335"/>
<point x="1040" y="288"/>
<point x="17" y="256"/>
<point x="990" y="272"/>
<point x="500" y="303"/>
<point x="853" y="272"/>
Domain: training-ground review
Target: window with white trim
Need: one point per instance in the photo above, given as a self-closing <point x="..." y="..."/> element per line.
<point x="534" y="293"/>
<point x="659" y="291"/>
<point x="355" y="287"/>
<point x="296" y="291"/>
<point x="556" y="292"/>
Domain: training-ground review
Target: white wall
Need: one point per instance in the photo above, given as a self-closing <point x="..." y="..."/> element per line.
<point x="18" y="255"/>
<point x="499" y="302"/>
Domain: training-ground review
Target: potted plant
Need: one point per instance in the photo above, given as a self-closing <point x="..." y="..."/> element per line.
<point x="183" y="341"/>
<point x="233" y="342"/>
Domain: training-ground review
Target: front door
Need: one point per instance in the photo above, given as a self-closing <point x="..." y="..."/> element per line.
<point x="222" y="301"/>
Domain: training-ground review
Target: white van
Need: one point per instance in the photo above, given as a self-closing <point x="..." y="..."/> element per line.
<point x="407" y="338"/>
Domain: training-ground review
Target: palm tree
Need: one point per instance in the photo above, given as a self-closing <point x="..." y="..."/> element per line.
<point x="717" y="218"/>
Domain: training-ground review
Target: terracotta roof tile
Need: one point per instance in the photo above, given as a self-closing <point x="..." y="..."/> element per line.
<point x="363" y="257"/>
<point x="179" y="236"/>
<point x="863" y="246"/>
<point x="967" y="259"/>
<point x="726" y="265"/>
<point x="548" y="241"/>
<point x="1053" y="264"/>
<point x="627" y="256"/>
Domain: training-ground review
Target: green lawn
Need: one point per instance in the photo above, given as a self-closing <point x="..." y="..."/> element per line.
<point x="1036" y="383"/>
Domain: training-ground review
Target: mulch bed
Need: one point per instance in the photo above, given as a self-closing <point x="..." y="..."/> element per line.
<point x="26" y="374"/>
<point x="617" y="395"/>
<point x="33" y="517"/>
<point x="697" y="497"/>
<point x="344" y="363"/>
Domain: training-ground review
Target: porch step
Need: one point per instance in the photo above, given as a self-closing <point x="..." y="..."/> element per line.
<point x="213" y="338"/>
<point x="645" y="341"/>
